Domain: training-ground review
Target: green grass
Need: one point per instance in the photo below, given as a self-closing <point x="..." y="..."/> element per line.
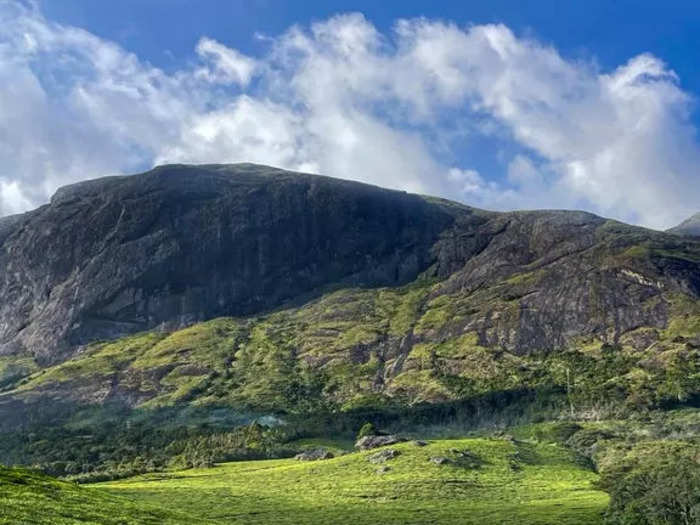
<point x="15" y="367"/>
<point x="519" y="483"/>
<point x="31" y="498"/>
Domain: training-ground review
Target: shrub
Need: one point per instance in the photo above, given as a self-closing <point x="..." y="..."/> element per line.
<point x="558" y="432"/>
<point x="367" y="429"/>
<point x="657" y="486"/>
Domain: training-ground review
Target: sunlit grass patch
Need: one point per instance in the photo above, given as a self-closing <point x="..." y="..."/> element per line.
<point x="516" y="482"/>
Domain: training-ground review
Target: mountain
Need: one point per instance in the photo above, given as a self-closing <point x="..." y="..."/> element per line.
<point x="179" y="244"/>
<point x="320" y="291"/>
<point x="195" y="315"/>
<point x="690" y="226"/>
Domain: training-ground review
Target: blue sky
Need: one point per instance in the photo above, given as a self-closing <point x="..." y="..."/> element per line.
<point x="498" y="104"/>
<point x="166" y="31"/>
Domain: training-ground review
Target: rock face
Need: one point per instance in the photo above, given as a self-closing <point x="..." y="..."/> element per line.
<point x="690" y="226"/>
<point x="179" y="244"/>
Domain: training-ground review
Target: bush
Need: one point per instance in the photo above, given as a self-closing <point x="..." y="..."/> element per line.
<point x="660" y="485"/>
<point x="589" y="441"/>
<point x="558" y="432"/>
<point x="367" y="429"/>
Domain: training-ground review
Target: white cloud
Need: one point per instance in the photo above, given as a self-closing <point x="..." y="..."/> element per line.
<point x="248" y="129"/>
<point x="13" y="198"/>
<point x="228" y="66"/>
<point x="343" y="99"/>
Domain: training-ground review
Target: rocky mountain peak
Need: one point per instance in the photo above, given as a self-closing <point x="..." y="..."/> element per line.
<point x="690" y="226"/>
<point x="179" y="244"/>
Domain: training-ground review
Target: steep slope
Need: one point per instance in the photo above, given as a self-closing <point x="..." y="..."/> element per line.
<point x="179" y="244"/>
<point x="690" y="226"/>
<point x="355" y="348"/>
<point x="380" y="296"/>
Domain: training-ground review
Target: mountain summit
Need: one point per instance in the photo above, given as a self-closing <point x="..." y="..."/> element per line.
<point x="690" y="226"/>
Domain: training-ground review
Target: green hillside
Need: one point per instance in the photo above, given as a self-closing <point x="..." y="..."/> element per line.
<point x="546" y="473"/>
<point x="513" y="483"/>
<point x="30" y="498"/>
<point x="358" y="348"/>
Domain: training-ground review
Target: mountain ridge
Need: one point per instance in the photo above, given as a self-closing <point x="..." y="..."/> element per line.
<point x="181" y="244"/>
<point x="382" y="294"/>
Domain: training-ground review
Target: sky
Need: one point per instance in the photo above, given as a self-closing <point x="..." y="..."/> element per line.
<point x="500" y="105"/>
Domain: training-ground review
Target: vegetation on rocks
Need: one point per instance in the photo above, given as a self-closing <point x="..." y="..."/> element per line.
<point x="339" y="352"/>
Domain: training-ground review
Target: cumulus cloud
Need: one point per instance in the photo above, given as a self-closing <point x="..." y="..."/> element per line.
<point x="343" y="99"/>
<point x="228" y="66"/>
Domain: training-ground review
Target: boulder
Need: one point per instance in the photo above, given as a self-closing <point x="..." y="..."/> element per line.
<point x="440" y="460"/>
<point x="313" y="455"/>
<point x="370" y="442"/>
<point x="383" y="455"/>
<point x="420" y="443"/>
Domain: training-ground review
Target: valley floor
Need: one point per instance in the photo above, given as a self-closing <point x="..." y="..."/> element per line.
<point x="517" y="482"/>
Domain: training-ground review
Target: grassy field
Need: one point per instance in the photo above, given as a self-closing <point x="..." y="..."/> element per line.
<point x="29" y="498"/>
<point x="517" y="482"/>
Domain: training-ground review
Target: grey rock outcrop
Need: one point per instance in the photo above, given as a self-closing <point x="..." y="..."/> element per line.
<point x="383" y="456"/>
<point x="370" y="442"/>
<point x="314" y="455"/>
<point x="179" y="244"/>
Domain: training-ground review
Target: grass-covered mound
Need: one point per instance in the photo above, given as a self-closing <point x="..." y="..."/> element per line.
<point x="484" y="481"/>
<point x="27" y="497"/>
